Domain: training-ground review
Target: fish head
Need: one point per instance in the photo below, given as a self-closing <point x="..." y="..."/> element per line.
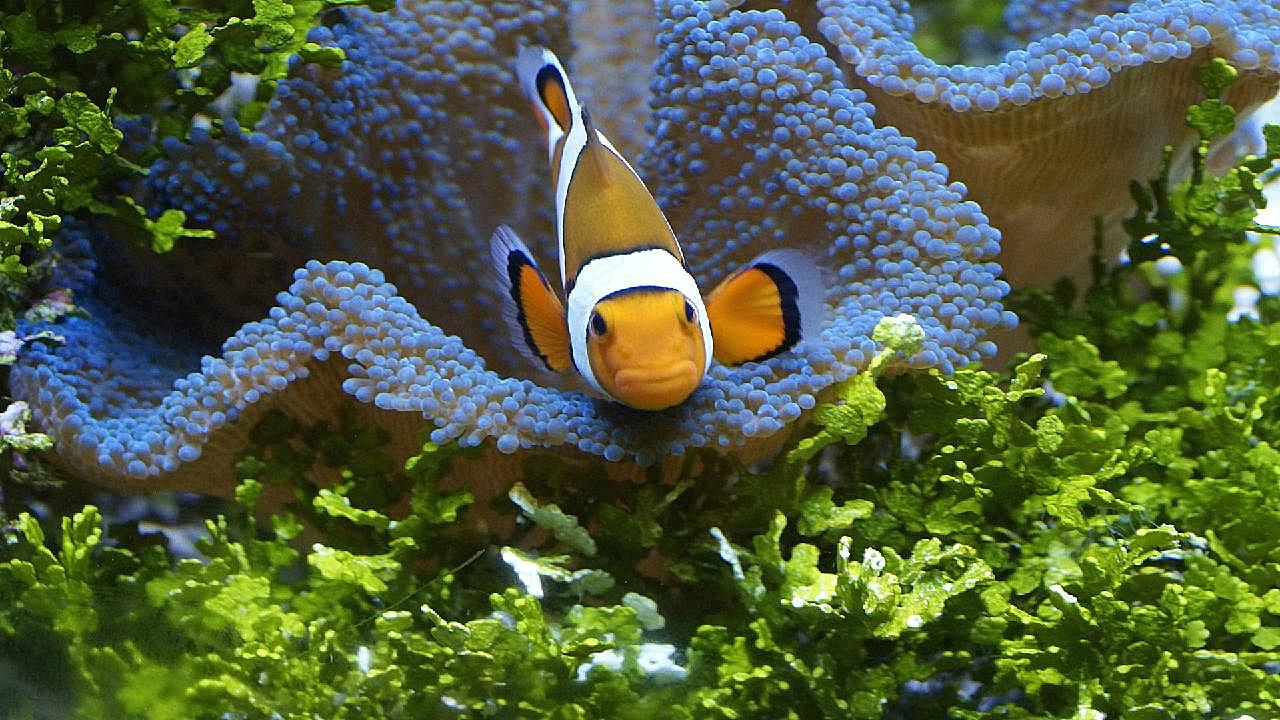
<point x="646" y="347"/>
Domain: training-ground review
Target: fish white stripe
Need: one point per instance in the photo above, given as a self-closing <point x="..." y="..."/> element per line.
<point x="574" y="144"/>
<point x="604" y="276"/>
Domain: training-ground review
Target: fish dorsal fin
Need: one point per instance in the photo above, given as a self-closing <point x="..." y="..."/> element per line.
<point x="607" y="208"/>
<point x="597" y="154"/>
<point x="531" y="310"/>
<point x="766" y="307"/>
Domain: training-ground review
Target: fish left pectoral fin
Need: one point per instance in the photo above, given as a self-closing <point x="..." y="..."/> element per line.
<point x="766" y="307"/>
<point x="531" y="310"/>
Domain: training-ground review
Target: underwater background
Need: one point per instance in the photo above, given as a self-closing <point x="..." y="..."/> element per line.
<point x="268" y="452"/>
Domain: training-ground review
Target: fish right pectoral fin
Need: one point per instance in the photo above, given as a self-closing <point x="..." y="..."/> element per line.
<point x="531" y="309"/>
<point x="766" y="307"/>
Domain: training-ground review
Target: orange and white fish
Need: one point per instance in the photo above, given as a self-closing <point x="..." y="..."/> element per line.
<point x="636" y="327"/>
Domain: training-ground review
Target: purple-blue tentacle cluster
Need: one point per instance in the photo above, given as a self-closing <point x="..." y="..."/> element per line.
<point x="874" y="38"/>
<point x="761" y="145"/>
<point x="1031" y="19"/>
<point x="407" y="157"/>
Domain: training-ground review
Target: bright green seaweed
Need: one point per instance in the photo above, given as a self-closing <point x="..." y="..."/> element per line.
<point x="68" y="69"/>
<point x="1092" y="533"/>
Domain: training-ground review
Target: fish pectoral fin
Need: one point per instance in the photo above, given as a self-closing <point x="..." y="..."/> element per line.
<point x="766" y="307"/>
<point x="531" y="309"/>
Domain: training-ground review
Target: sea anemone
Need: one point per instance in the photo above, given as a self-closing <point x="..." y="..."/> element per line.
<point x="406" y="157"/>
<point x="1048" y="139"/>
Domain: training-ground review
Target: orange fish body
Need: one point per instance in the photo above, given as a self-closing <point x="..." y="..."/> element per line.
<point x="634" y="324"/>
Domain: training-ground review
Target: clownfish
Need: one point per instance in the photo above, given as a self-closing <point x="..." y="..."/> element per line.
<point x="633" y="323"/>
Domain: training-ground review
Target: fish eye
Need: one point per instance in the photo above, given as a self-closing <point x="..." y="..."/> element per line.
<point x="688" y="311"/>
<point x="598" y="325"/>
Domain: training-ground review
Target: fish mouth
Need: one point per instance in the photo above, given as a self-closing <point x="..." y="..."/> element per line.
<point x="657" y="387"/>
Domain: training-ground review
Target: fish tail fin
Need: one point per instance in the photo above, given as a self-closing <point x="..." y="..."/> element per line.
<point x="546" y="84"/>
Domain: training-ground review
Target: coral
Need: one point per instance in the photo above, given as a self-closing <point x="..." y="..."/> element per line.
<point x="404" y="159"/>
<point x="1051" y="136"/>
